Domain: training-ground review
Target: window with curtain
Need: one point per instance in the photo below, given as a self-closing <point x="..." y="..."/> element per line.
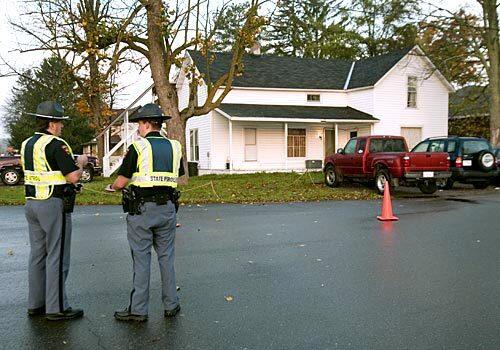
<point x="412" y="92"/>
<point x="250" y="145"/>
<point x="194" y="146"/>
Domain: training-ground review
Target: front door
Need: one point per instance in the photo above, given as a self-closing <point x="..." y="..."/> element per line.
<point x="329" y="142"/>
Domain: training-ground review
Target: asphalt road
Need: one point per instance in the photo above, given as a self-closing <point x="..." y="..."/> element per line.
<point x="323" y="275"/>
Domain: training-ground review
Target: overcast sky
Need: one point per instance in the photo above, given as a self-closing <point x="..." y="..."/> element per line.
<point x="10" y="39"/>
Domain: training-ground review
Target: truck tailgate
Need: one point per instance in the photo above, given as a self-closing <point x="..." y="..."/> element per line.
<point x="427" y="161"/>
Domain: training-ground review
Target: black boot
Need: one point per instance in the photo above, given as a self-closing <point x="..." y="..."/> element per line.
<point x="68" y="314"/>
<point x="173" y="312"/>
<point x="126" y="315"/>
<point x="39" y="311"/>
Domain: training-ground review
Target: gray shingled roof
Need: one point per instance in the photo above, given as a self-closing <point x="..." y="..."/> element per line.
<point x="368" y="71"/>
<point x="301" y="112"/>
<point x="270" y="71"/>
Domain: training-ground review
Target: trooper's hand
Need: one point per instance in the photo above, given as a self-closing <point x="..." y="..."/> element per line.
<point x="109" y="188"/>
<point x="82" y="160"/>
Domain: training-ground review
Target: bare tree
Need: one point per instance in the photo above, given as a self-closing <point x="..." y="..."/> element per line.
<point x="87" y="34"/>
<point x="157" y="38"/>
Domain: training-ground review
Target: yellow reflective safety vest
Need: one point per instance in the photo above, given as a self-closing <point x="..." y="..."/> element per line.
<point x="37" y="170"/>
<point x="158" y="162"/>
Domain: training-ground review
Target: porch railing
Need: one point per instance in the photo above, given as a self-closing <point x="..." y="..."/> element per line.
<point x="127" y="132"/>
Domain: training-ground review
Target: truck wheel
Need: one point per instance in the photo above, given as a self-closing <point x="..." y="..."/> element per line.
<point x="481" y="185"/>
<point x="331" y="176"/>
<point x="87" y="174"/>
<point x="11" y="177"/>
<point x="427" y="186"/>
<point x="381" y="176"/>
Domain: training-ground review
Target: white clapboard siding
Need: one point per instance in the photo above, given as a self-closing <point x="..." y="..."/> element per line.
<point x="204" y="125"/>
<point x="361" y="100"/>
<point x="183" y="93"/>
<point x="284" y="97"/>
<point x="390" y="98"/>
<point x="220" y="141"/>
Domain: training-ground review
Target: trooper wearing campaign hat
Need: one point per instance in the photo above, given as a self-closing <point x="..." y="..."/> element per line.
<point x="151" y="169"/>
<point x="49" y="168"/>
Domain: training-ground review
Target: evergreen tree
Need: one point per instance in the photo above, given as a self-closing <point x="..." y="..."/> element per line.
<point x="384" y="25"/>
<point x="227" y="23"/>
<point x="51" y="81"/>
<point x="283" y="33"/>
<point x="311" y="28"/>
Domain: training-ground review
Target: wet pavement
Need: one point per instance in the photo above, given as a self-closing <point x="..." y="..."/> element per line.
<point x="322" y="275"/>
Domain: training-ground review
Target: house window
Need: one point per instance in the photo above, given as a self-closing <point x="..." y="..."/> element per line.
<point x="412" y="92"/>
<point x="296" y="143"/>
<point x="353" y="134"/>
<point x="313" y="98"/>
<point x="250" y="145"/>
<point x="194" y="146"/>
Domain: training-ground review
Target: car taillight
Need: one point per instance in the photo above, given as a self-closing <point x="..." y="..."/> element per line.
<point x="406" y="161"/>
<point x="458" y="162"/>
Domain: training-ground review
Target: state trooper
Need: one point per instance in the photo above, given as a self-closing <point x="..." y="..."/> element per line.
<point x="151" y="168"/>
<point x="49" y="174"/>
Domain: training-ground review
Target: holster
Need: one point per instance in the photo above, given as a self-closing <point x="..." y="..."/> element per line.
<point x="131" y="202"/>
<point x="69" y="197"/>
<point x="175" y="199"/>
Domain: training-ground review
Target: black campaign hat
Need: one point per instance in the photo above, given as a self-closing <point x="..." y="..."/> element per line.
<point x="148" y="111"/>
<point x="50" y="110"/>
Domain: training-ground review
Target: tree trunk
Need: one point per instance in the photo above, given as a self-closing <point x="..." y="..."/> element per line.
<point x="491" y="37"/>
<point x="495" y="112"/>
<point x="95" y="103"/>
<point x="160" y="70"/>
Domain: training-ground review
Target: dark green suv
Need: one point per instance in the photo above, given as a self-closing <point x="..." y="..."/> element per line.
<point x="472" y="160"/>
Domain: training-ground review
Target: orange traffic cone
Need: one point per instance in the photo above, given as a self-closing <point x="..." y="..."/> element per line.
<point x="387" y="214"/>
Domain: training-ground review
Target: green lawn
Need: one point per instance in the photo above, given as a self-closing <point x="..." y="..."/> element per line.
<point x="246" y="188"/>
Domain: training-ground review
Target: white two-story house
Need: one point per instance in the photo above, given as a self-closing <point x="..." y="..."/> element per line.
<point x="285" y="111"/>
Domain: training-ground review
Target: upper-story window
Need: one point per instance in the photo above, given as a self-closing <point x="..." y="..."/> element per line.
<point x="313" y="98"/>
<point x="194" y="147"/>
<point x="412" y="92"/>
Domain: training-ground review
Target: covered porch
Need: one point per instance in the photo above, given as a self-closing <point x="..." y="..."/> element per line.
<point x="286" y="138"/>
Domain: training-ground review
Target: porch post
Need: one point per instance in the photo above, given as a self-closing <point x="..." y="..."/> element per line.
<point x="286" y="146"/>
<point x="372" y="126"/>
<point x="230" y="145"/>
<point x="336" y="138"/>
<point x="125" y="123"/>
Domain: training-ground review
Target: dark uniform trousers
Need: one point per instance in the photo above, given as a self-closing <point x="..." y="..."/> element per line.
<point x="154" y="227"/>
<point x="50" y="253"/>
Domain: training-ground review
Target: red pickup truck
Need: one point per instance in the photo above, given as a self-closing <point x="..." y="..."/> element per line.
<point x="381" y="158"/>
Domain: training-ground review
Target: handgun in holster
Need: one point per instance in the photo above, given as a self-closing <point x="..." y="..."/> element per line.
<point x="69" y="197"/>
<point x="175" y="199"/>
<point x="131" y="202"/>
